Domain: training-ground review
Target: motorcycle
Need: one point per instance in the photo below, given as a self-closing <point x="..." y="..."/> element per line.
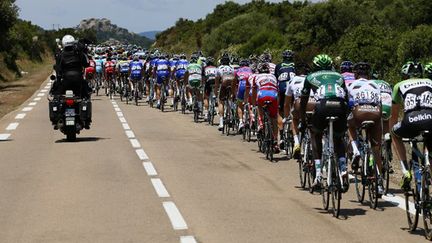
<point x="69" y="114"/>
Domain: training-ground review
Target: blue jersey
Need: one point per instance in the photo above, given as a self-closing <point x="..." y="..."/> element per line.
<point x="136" y="69"/>
<point x="181" y="67"/>
<point x="162" y="68"/>
<point x="284" y="72"/>
<point x="99" y="65"/>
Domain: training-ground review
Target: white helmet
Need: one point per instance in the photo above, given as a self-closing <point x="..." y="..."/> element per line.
<point x="68" y="40"/>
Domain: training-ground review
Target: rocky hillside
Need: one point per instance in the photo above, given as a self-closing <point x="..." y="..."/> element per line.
<point x="105" y="30"/>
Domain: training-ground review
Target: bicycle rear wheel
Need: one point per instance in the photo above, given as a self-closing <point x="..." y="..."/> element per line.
<point x="386" y="168"/>
<point x="427" y="204"/>
<point x="325" y="193"/>
<point x="373" y="186"/>
<point x="359" y="182"/>
<point x="335" y="190"/>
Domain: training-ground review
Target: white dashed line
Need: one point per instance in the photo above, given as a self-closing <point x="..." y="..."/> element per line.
<point x="12" y="126"/>
<point x="149" y="168"/>
<point x="175" y="216"/>
<point x="4" y="136"/>
<point x="32" y="103"/>
<point x="126" y="126"/>
<point x="40" y="94"/>
<point x="37" y="99"/>
<point x="117" y="109"/>
<point x="122" y="120"/>
<point x="27" y="108"/>
<point x="129" y="134"/>
<point x="159" y="187"/>
<point x="44" y="90"/>
<point x="20" y="116"/>
<point x="120" y="114"/>
<point x="135" y="143"/>
<point x="141" y="154"/>
<point x="187" y="239"/>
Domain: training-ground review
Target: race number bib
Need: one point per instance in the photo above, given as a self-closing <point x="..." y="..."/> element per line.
<point x="410" y="102"/>
<point x="426" y="99"/>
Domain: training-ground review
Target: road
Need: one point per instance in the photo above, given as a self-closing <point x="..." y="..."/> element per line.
<point x="139" y="175"/>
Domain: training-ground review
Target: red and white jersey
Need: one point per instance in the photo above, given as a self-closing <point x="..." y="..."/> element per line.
<point x="109" y="66"/>
<point x="265" y="81"/>
<point x="92" y="63"/>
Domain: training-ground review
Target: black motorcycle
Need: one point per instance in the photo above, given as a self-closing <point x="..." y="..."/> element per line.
<point x="69" y="113"/>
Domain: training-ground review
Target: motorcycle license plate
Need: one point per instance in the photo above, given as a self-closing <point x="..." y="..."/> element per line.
<point x="70" y="112"/>
<point x="70" y="121"/>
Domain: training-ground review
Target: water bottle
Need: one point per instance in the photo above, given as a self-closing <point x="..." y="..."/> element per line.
<point x="417" y="174"/>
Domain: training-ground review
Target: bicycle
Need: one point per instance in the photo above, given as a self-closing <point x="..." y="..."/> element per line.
<point x="162" y="95"/>
<point x="111" y="87"/>
<point x="247" y="123"/>
<point x="212" y="107"/>
<point x="306" y="163"/>
<point x="331" y="184"/>
<point x="368" y="176"/>
<point x="419" y="199"/>
<point x="196" y="104"/>
<point x="183" y="98"/>
<point x="386" y="160"/>
<point x="230" y="120"/>
<point x="135" y="91"/>
<point x="175" y="94"/>
<point x="269" y="139"/>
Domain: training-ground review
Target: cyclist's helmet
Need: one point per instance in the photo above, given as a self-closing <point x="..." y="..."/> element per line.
<point x="412" y="70"/>
<point x="346" y="67"/>
<point x="194" y="58"/>
<point x="244" y="63"/>
<point x="263" y="67"/>
<point x="323" y="62"/>
<point x="287" y="55"/>
<point x="225" y="59"/>
<point x="428" y="70"/>
<point x="266" y="57"/>
<point x="210" y="61"/>
<point x="362" y="68"/>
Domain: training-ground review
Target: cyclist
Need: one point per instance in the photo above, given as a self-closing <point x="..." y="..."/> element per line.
<point x="180" y="70"/>
<point x="284" y="72"/>
<point x="136" y="70"/>
<point x="161" y="71"/>
<point x="292" y="102"/>
<point x="331" y="96"/>
<point x="123" y="69"/>
<point x="99" y="68"/>
<point x="267" y="57"/>
<point x="365" y="99"/>
<point x="210" y="72"/>
<point x="414" y="93"/>
<point x="109" y="72"/>
<point x="241" y="78"/>
<point x="346" y="70"/>
<point x="195" y="79"/>
<point x="90" y="72"/>
<point x="224" y="85"/>
<point x="266" y="86"/>
<point x="386" y="104"/>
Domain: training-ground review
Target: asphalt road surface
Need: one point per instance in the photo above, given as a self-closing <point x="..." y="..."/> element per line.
<point x="139" y="175"/>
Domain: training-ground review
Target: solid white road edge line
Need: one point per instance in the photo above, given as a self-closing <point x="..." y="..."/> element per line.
<point x="175" y="216"/>
<point x="187" y="239"/>
<point x="126" y="126"/>
<point x="149" y="168"/>
<point x="159" y="187"/>
<point x="12" y="126"/>
<point x="141" y="154"/>
<point x="117" y="109"/>
<point x="20" y="116"/>
<point x="396" y="200"/>
<point x="4" y="136"/>
<point x="27" y="109"/>
<point x="135" y="143"/>
<point x="129" y="134"/>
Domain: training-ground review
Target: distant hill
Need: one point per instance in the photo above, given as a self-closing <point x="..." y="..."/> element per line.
<point x="105" y="30"/>
<point x="150" y="34"/>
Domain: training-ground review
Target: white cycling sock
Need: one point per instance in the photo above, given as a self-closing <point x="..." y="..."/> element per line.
<point x="318" y="166"/>
<point x="355" y="149"/>
<point x="296" y="139"/>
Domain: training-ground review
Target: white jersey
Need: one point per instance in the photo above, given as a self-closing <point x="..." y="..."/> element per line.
<point x="226" y="72"/>
<point x="272" y="68"/>
<point x="363" y="91"/>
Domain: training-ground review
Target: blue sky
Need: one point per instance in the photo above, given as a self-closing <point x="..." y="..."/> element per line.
<point x="135" y="15"/>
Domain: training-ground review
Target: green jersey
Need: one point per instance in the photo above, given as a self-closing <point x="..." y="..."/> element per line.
<point x="386" y="97"/>
<point x="195" y="75"/>
<point x="325" y="84"/>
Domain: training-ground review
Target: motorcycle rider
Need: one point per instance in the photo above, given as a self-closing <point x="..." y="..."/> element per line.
<point x="69" y="67"/>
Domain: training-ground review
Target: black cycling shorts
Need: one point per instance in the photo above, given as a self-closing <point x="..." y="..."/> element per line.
<point x="281" y="101"/>
<point x="327" y="108"/>
<point x="413" y="123"/>
<point x="208" y="86"/>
